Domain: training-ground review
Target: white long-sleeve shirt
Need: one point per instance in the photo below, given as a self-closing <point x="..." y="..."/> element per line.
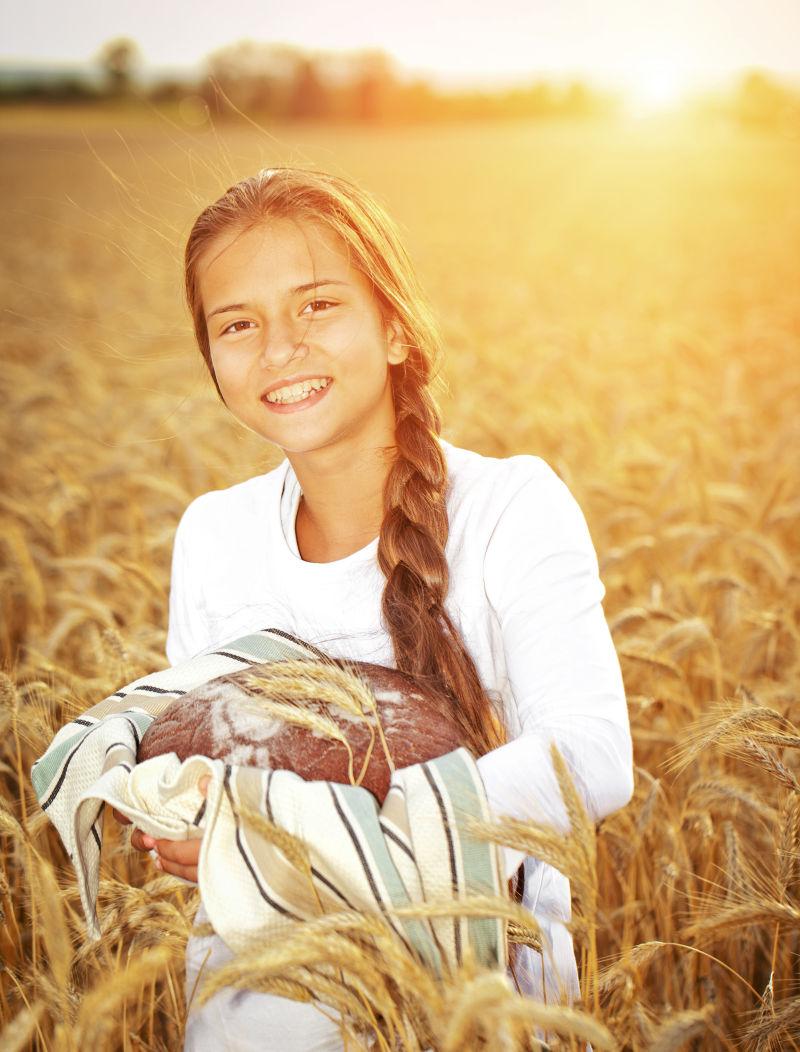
<point x="525" y="593"/>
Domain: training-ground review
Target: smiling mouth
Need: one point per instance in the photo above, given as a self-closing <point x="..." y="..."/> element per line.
<point x="300" y="402"/>
<point x="300" y="395"/>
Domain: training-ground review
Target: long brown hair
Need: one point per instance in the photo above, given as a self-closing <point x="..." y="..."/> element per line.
<point x="414" y="530"/>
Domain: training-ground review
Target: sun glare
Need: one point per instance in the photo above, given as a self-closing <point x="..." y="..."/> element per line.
<point x="657" y="85"/>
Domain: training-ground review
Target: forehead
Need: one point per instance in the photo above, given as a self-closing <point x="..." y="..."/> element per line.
<point x="285" y="250"/>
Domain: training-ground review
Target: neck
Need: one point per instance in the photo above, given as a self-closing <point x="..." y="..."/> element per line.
<point x="341" y="508"/>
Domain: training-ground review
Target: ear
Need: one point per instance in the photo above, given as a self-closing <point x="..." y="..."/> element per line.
<point x="397" y="351"/>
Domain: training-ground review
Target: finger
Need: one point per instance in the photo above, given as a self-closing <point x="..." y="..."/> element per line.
<point x="181" y="852"/>
<point x="202" y="785"/>
<point x="175" y="869"/>
<point x="141" y="841"/>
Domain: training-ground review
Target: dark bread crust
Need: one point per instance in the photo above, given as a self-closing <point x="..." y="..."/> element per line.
<point x="217" y="720"/>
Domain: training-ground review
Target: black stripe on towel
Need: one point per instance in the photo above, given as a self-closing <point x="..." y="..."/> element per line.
<point x="134" y="731"/>
<point x="154" y="690"/>
<point x="132" y="726"/>
<point x="388" y="831"/>
<point x="302" y="643"/>
<point x="329" y="884"/>
<point x="270" y="816"/>
<point x="240" y="846"/>
<point x="395" y="925"/>
<point x="95" y="834"/>
<point x="359" y="849"/>
<point x="67" y="762"/>
<point x="314" y="871"/>
<point x="451" y="851"/>
<point x="234" y="657"/>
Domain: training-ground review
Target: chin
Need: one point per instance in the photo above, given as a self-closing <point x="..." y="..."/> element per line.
<point x="299" y="444"/>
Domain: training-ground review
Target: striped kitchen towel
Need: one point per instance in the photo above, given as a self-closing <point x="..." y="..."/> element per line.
<point x="413" y="849"/>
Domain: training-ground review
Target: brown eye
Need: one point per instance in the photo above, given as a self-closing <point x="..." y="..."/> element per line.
<point x="232" y="326"/>
<point x="314" y="303"/>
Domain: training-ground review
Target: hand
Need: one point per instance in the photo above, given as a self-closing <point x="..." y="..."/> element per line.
<point x="176" y="857"/>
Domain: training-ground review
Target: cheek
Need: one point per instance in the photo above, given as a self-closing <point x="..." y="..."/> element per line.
<point x="354" y="336"/>
<point x="226" y="368"/>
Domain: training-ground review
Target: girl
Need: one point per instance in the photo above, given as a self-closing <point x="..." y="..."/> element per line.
<point x="378" y="540"/>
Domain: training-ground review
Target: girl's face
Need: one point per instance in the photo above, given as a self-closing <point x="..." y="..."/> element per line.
<point x="283" y="304"/>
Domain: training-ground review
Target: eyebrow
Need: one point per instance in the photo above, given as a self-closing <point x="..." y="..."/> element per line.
<point x="300" y="288"/>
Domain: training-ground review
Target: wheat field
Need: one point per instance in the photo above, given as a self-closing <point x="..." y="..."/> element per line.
<point x="623" y="301"/>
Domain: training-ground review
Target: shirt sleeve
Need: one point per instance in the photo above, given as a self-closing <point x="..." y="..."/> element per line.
<point x="541" y="577"/>
<point x="187" y="632"/>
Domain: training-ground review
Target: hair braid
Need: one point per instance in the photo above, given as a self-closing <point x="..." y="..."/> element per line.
<point x="411" y="554"/>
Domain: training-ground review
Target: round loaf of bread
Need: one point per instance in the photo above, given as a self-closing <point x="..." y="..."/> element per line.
<point x="333" y="720"/>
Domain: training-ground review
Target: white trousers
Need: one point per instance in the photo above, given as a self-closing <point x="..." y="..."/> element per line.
<point x="245" y="1021"/>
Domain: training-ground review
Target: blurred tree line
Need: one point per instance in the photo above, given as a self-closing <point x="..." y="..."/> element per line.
<point x="285" y="82"/>
<point x="281" y="81"/>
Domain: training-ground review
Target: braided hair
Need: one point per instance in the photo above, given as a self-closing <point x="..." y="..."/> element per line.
<point x="414" y="528"/>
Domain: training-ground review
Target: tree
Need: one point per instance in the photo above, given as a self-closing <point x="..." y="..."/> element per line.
<point x="373" y="86"/>
<point x="309" y="98"/>
<point x="119" y="58"/>
<point x="256" y="77"/>
<point x="761" y="101"/>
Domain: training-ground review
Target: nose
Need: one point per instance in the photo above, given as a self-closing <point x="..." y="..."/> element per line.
<point x="283" y="341"/>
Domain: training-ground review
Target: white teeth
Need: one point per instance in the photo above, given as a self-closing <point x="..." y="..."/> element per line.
<point x="297" y="392"/>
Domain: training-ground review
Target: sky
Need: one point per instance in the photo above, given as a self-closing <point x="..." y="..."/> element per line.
<point x="641" y="43"/>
